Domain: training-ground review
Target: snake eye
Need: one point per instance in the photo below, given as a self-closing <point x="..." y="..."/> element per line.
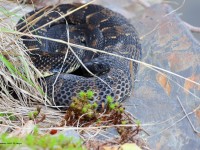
<point x="82" y="37"/>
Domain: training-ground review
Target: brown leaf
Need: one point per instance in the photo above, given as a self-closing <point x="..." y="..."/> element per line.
<point x="189" y="85"/>
<point x="130" y="146"/>
<point x="114" y="147"/>
<point x="163" y="81"/>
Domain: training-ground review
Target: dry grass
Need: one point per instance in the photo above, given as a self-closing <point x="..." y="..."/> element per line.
<point x="18" y="75"/>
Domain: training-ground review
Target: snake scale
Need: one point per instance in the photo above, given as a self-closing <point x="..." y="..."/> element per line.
<point x="92" y="26"/>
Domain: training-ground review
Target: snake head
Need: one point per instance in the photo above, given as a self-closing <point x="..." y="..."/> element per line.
<point x="96" y="67"/>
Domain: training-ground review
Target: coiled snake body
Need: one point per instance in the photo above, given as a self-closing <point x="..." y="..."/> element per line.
<point x="92" y="26"/>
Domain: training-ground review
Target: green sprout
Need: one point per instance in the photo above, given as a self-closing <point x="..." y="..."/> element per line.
<point x="90" y="94"/>
<point x="9" y="115"/>
<point x="95" y="105"/>
<point x="109" y="99"/>
<point x="121" y="110"/>
<point x="124" y="122"/>
<point x="138" y="122"/>
<point x="32" y="114"/>
<point x="84" y="109"/>
<point x="112" y="106"/>
<point x="82" y="94"/>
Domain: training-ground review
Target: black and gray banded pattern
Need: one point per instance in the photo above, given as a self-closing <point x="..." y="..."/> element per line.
<point x="92" y="26"/>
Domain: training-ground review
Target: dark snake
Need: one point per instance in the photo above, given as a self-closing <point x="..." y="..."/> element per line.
<point x="92" y="26"/>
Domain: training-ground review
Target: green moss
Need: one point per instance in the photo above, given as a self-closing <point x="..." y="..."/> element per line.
<point x="90" y="94"/>
<point x="35" y="142"/>
<point x="138" y="122"/>
<point x="112" y="106"/>
<point x="84" y="110"/>
<point x="95" y="105"/>
<point x="109" y="99"/>
<point x="82" y="94"/>
<point x="72" y="105"/>
<point x="10" y="116"/>
<point x="32" y="115"/>
<point x="111" y="113"/>
<point x="35" y="130"/>
<point x="121" y="110"/>
<point x="124" y="122"/>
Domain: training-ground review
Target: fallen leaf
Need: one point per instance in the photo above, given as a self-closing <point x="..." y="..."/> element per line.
<point x="197" y="113"/>
<point x="111" y="147"/>
<point x="163" y="81"/>
<point x="130" y="146"/>
<point x="189" y="85"/>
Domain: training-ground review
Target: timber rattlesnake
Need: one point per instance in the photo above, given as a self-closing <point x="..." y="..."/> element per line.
<point x="92" y="26"/>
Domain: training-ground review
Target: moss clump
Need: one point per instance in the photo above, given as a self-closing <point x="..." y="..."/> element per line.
<point x="81" y="105"/>
<point x="83" y="113"/>
<point x="87" y="113"/>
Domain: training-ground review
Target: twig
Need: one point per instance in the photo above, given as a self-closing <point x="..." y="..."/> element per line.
<point x="175" y="123"/>
<point x="192" y="28"/>
<point x="144" y="3"/>
<point x="173" y="11"/>
<point x="186" y="114"/>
